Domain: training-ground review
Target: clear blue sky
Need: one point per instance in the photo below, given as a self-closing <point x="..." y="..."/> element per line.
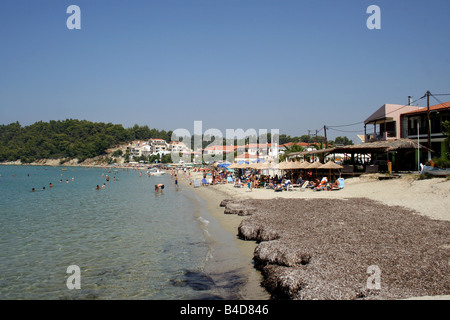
<point x="289" y="65"/>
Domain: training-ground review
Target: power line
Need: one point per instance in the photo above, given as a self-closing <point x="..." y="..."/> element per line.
<point x="439" y="101"/>
<point x="362" y="122"/>
<point x="345" y="125"/>
<point x="343" y="130"/>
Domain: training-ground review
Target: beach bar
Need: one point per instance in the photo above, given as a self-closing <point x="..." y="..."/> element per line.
<point x="373" y="157"/>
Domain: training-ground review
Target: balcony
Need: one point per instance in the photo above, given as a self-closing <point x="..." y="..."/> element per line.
<point x="380" y="136"/>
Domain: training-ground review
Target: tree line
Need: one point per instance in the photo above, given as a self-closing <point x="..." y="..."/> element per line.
<point x="82" y="139"/>
<point x="70" y="139"/>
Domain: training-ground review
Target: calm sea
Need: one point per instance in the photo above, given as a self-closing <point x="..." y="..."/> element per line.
<point x="128" y="241"/>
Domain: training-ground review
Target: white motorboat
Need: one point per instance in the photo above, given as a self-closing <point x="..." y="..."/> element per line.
<point x="156" y="172"/>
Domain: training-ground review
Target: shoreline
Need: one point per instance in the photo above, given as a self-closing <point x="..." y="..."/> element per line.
<point x="230" y="252"/>
<point x="415" y="199"/>
<point x="257" y="239"/>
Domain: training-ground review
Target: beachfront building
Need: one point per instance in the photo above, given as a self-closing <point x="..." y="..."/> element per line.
<point x="218" y="150"/>
<point x="263" y="151"/>
<point x="216" y="153"/>
<point x="178" y="146"/>
<point x="158" y="146"/>
<point x="415" y="126"/>
<point x="145" y="150"/>
<point x="135" y="148"/>
<point x="386" y="122"/>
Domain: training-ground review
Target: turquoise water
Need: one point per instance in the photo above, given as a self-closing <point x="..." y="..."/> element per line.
<point x="128" y="241"/>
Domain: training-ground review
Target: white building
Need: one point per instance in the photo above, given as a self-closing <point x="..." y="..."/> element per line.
<point x="178" y="146"/>
<point x="158" y="146"/>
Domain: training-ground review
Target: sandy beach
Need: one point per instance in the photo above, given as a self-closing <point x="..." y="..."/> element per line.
<point x="416" y="210"/>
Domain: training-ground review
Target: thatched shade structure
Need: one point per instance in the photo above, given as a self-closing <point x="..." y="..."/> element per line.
<point x="332" y="166"/>
<point x="381" y="146"/>
<point x="304" y="165"/>
<point x="243" y="166"/>
<point x="255" y="166"/>
<point x="314" y="165"/>
<point x="296" y="165"/>
<point x="283" y="165"/>
<point x="400" y="146"/>
<point x="264" y="165"/>
<point x="233" y="166"/>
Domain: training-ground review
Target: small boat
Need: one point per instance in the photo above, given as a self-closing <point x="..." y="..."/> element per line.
<point x="156" y="172"/>
<point x="435" y="171"/>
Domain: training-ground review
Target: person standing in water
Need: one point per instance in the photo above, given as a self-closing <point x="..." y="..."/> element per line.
<point x="159" y="187"/>
<point x="176" y="182"/>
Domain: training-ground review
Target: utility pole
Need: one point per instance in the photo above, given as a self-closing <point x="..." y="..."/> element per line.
<point x="325" y="136"/>
<point x="429" y="124"/>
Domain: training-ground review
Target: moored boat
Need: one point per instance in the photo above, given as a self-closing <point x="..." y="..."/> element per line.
<point x="435" y="171"/>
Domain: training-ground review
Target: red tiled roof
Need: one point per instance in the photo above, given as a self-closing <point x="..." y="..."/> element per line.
<point x="445" y="105"/>
<point x="255" y="145"/>
<point x="247" y="156"/>
<point x="223" y="148"/>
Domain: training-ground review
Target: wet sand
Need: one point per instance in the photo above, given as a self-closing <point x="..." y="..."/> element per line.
<point x="230" y="256"/>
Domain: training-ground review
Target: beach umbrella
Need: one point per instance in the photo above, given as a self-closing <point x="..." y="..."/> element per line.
<point x="233" y="166"/>
<point x="224" y="165"/>
<point x="303" y="165"/>
<point x="243" y="166"/>
<point x="283" y="165"/>
<point x="315" y="165"/>
<point x="331" y="165"/>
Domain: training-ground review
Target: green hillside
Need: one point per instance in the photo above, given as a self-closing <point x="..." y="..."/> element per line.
<point x="69" y="138"/>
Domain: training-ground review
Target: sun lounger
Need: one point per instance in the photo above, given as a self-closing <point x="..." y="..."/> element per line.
<point x="196" y="183"/>
<point x="322" y="185"/>
<point x="341" y="185"/>
<point x="229" y="180"/>
<point x="204" y="182"/>
<point x="238" y="184"/>
<point x="261" y="184"/>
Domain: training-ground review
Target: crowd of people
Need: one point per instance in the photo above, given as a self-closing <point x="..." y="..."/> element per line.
<point x="255" y="179"/>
